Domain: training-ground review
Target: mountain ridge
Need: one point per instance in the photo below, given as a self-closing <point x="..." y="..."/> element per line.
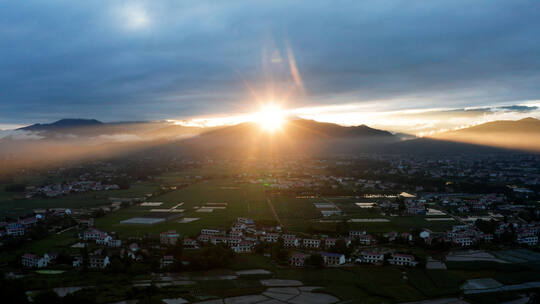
<point x="62" y="123"/>
<point x="522" y="134"/>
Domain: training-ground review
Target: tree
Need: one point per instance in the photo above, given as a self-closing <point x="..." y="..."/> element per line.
<point x="402" y="207"/>
<point x="47" y="297"/>
<point x="116" y="266"/>
<point x="85" y="257"/>
<point x="486" y="226"/>
<point x="85" y="296"/>
<point x="12" y="291"/>
<point x="342" y="227"/>
<point x="15" y="188"/>
<point x="211" y="257"/>
<point x="99" y="213"/>
<point x="340" y="247"/>
<point x="315" y="260"/>
<point x="261" y="247"/>
<point x="178" y="249"/>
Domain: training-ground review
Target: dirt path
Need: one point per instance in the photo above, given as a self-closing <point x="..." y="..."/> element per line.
<point x="274" y="211"/>
<point x="329" y="201"/>
<point x="247" y="201"/>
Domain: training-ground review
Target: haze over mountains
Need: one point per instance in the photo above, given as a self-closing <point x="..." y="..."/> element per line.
<point x="521" y="134"/>
<point x="120" y="131"/>
<point x="295" y="136"/>
<point x="70" y="139"/>
<point x="297" y="129"/>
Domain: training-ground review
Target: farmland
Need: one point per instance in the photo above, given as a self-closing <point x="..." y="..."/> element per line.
<point x="15" y="204"/>
<point x="250" y="200"/>
<point x="245" y="200"/>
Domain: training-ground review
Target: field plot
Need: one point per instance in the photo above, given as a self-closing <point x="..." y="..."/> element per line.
<point x="222" y="203"/>
<point x="151" y="204"/>
<point x="485" y="283"/>
<point x="518" y="255"/>
<point x="365" y="205"/>
<point x="304" y="215"/>
<point x="434" y="212"/>
<point x="142" y="220"/>
<point x="380" y="224"/>
<point x="472" y="255"/>
<point x="327" y="208"/>
<point x="55" y="243"/>
<point x="188" y="220"/>
<point x="357" y="207"/>
<point x="12" y="206"/>
<point x="296" y="214"/>
<point x="369" y="220"/>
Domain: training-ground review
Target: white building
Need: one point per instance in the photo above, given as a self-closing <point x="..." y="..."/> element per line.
<point x="402" y="260"/>
<point x="356" y="233"/>
<point x="371" y="257"/>
<point x="298" y="259"/>
<point x="311" y="243"/>
<point x="211" y="232"/>
<point x="290" y="240"/>
<point x="98" y="261"/>
<point x="15" y="229"/>
<point x="527" y="239"/>
<point x="243" y="247"/>
<point x="333" y="258"/>
<point x="270" y="237"/>
<point x="33" y="261"/>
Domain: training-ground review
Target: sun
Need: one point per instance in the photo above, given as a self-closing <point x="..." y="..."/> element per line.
<point x="270" y="118"/>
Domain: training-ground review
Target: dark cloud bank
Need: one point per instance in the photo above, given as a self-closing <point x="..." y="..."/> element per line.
<point x="98" y="59"/>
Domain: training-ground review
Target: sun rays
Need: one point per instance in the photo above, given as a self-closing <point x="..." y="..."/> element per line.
<point x="270" y="118"/>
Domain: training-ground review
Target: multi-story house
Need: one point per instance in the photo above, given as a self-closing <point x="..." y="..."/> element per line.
<point x="166" y="261"/>
<point x="169" y="237"/>
<point x="402" y="260"/>
<point x="98" y="261"/>
<point x="298" y="259"/>
<point x="246" y="221"/>
<point x="333" y="258"/>
<point x="330" y="242"/>
<point x="527" y="237"/>
<point x="366" y="239"/>
<point x="356" y="233"/>
<point x="371" y="257"/>
<point x="15" y="229"/>
<point x="290" y="241"/>
<point x="212" y="232"/>
<point x="219" y="240"/>
<point x="311" y="243"/>
<point x="462" y="240"/>
<point x="94" y="234"/>
<point x="33" y="261"/>
<point x="270" y="237"/>
<point x="190" y="243"/>
<point x="243" y="247"/>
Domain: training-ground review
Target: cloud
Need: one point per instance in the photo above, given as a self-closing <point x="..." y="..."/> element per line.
<point x="164" y="59"/>
<point x="19" y="135"/>
<point x="119" y="137"/>
<point x="522" y="109"/>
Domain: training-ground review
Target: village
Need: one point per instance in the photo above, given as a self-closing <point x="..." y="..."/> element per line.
<point x="245" y="236"/>
<point x="300" y="215"/>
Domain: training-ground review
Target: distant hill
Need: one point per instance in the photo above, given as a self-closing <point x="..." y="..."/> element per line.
<point x="429" y="147"/>
<point x="521" y="134"/>
<point x="300" y="129"/>
<point x="296" y="136"/>
<point x="67" y="129"/>
<point x="62" y="124"/>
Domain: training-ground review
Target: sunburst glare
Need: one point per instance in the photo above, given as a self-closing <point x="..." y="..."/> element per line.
<point x="270" y="118"/>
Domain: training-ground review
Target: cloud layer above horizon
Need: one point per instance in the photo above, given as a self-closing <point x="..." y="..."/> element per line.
<point x="145" y="60"/>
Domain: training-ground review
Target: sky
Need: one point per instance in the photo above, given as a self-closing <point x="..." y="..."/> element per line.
<point x="409" y="66"/>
